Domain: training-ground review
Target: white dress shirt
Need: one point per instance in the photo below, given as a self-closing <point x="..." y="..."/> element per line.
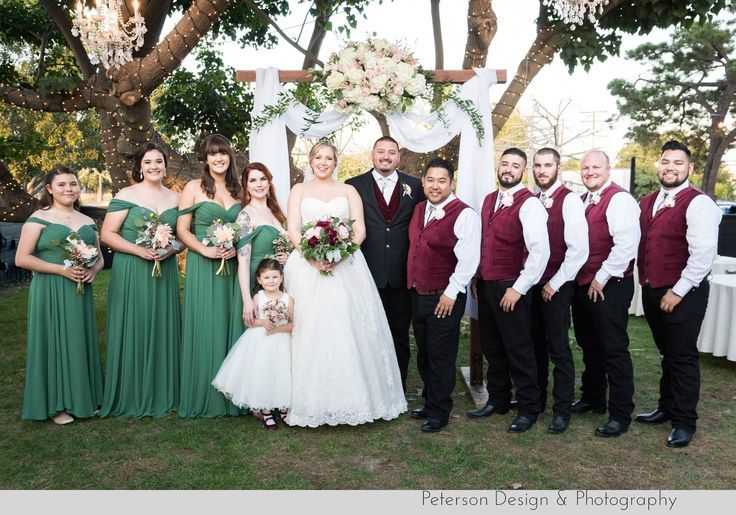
<point x="533" y="217"/>
<point x="386" y="184"/>
<point x="576" y="238"/>
<point x="467" y="248"/>
<point x="702" y="217"/>
<point x="622" y="216"/>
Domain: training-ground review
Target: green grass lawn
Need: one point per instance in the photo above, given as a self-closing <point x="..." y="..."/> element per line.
<point x="237" y="453"/>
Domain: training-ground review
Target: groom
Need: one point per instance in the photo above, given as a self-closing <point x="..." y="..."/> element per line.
<point x="389" y="197"/>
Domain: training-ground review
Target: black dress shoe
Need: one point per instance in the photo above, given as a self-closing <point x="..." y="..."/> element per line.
<point x="580" y="406"/>
<point x="486" y="411"/>
<point x="611" y="428"/>
<point x="419" y="413"/>
<point x="521" y="424"/>
<point x="559" y="424"/>
<point x="432" y="425"/>
<point x="679" y="438"/>
<point x="653" y="417"/>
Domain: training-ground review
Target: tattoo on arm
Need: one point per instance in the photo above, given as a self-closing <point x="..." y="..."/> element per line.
<point x="244" y="251"/>
<point x="243" y="220"/>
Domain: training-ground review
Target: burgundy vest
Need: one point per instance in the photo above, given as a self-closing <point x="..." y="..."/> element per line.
<point x="556" y="231"/>
<point x="600" y="242"/>
<point x="502" y="250"/>
<point x="431" y="259"/>
<point x="388" y="211"/>
<point x="663" y="250"/>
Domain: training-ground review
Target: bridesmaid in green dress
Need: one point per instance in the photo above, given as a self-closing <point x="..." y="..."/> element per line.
<point x="211" y="321"/>
<point x="143" y="326"/>
<point x="261" y="221"/>
<point x="63" y="374"/>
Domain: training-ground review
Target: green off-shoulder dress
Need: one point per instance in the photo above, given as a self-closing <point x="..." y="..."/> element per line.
<point x="212" y="320"/>
<point x="261" y="240"/>
<point x="143" y="327"/>
<point x="63" y="370"/>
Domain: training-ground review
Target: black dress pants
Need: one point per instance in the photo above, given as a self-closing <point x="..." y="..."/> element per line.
<point x="676" y="335"/>
<point x="397" y="305"/>
<point x="437" y="343"/>
<point x="601" y="331"/>
<point x="550" y="327"/>
<point x="507" y="345"/>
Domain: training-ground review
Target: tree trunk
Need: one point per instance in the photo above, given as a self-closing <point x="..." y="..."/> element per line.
<point x="15" y="203"/>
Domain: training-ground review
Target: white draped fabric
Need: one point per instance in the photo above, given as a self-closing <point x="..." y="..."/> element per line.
<point x="418" y="133"/>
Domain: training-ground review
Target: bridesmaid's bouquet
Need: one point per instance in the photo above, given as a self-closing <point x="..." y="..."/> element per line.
<point x="328" y="239"/>
<point x="154" y="235"/>
<point x="79" y="254"/>
<point x="223" y="235"/>
<point x="282" y="244"/>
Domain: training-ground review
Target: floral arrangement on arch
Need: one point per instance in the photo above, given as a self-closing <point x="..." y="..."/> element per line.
<point x="374" y="75"/>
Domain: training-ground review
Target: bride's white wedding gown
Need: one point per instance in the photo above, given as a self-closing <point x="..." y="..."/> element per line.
<point x="344" y="368"/>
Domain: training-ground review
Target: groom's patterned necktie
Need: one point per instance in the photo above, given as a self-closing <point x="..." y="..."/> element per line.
<point x="430" y="214"/>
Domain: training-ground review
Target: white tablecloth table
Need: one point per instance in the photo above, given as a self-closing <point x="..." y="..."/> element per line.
<point x="718" y="334"/>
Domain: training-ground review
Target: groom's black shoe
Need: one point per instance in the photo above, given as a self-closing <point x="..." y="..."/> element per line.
<point x="522" y="424"/>
<point x="679" y="438"/>
<point x="486" y="411"/>
<point x="419" y="413"/>
<point x="654" y="417"/>
<point x="432" y="425"/>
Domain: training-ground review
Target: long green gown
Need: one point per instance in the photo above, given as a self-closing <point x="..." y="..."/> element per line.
<point x="143" y="327"/>
<point x="212" y="320"/>
<point x="261" y="240"/>
<point x="63" y="370"/>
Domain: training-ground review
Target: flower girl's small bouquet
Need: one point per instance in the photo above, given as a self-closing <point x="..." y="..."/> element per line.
<point x="79" y="254"/>
<point x="154" y="235"/>
<point x="276" y="311"/>
<point x="328" y="239"/>
<point x="223" y="235"/>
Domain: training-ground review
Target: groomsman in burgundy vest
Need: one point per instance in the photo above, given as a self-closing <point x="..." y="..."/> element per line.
<point x="514" y="254"/>
<point x="605" y="286"/>
<point x="444" y="250"/>
<point x="679" y="240"/>
<point x="389" y="198"/>
<point x="551" y="297"/>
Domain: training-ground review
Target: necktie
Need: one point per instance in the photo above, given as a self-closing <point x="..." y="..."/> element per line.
<point x="430" y="214"/>
<point x="384" y="183"/>
<point x="662" y="202"/>
<point x="543" y="197"/>
<point x="501" y="195"/>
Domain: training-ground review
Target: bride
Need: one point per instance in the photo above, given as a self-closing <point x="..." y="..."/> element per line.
<point x="344" y="368"/>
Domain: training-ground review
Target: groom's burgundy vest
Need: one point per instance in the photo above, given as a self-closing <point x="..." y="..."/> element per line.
<point x="388" y="211"/>
<point x="432" y="259"/>
<point x="663" y="248"/>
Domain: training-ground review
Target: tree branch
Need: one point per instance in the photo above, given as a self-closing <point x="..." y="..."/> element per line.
<point x="263" y="14"/>
<point x="83" y="97"/>
<point x="439" y="55"/>
<point x="65" y="27"/>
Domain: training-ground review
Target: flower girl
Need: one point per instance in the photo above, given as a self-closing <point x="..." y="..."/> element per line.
<point x="257" y="371"/>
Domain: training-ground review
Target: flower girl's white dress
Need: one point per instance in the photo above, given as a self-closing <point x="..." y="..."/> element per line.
<point x="344" y="368"/>
<point x="256" y="373"/>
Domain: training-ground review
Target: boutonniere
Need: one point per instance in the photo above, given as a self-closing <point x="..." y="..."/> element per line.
<point x="406" y="190"/>
<point x="669" y="201"/>
<point x="439" y="213"/>
<point x="548" y="202"/>
<point x="595" y="198"/>
<point x="507" y="200"/>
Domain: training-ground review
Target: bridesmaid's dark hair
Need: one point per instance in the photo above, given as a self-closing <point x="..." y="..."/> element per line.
<point x="264" y="266"/>
<point x="138" y="158"/>
<point x="47" y="200"/>
<point x="215" y="144"/>
<point x="271" y="201"/>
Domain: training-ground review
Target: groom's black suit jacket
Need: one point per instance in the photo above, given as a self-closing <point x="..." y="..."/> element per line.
<point x="387" y="243"/>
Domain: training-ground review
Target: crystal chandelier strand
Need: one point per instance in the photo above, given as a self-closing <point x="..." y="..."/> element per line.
<point x="106" y="37"/>
<point x="574" y="12"/>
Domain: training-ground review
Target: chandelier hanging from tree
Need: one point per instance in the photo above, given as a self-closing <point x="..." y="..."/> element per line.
<point x="574" y="12"/>
<point x="106" y="37"/>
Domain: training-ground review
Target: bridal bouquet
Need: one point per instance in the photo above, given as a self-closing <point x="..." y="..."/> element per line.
<point x="79" y="254"/>
<point x="374" y="75"/>
<point x="223" y="235"/>
<point x="328" y="239"/>
<point x="154" y="235"/>
<point x="275" y="311"/>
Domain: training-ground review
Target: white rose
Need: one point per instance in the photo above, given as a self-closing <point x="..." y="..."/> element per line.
<point x="416" y="85"/>
<point x="354" y="75"/>
<point x="379" y="81"/>
<point x="335" y="80"/>
<point x="404" y="72"/>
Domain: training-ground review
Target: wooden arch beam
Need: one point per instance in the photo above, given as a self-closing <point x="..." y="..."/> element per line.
<point x="453" y="76"/>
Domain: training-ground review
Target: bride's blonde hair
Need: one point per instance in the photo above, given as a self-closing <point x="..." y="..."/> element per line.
<point x="320" y="145"/>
